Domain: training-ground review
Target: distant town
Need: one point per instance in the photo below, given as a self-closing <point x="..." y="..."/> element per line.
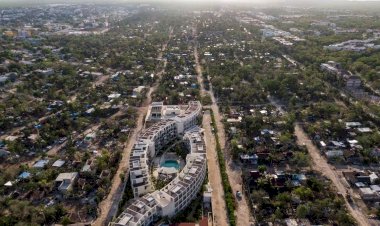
<point x="131" y="114"/>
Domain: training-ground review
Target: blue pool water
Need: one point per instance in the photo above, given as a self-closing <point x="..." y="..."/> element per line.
<point x="170" y="163"/>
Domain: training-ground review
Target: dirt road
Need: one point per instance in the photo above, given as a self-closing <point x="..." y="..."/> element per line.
<point x="115" y="193"/>
<point x="320" y="164"/>
<point x="243" y="216"/>
<point x="234" y="171"/>
<point x="218" y="204"/>
<point x="199" y="72"/>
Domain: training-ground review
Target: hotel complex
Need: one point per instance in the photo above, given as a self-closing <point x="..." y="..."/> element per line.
<point x="167" y="124"/>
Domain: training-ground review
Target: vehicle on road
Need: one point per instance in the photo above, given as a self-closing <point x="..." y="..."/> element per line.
<point x="238" y="195"/>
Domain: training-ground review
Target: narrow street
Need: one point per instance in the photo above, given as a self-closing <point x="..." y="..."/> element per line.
<point x="234" y="171"/>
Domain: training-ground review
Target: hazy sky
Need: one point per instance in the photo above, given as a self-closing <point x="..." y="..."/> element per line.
<point x="256" y="1"/>
<point x="291" y="2"/>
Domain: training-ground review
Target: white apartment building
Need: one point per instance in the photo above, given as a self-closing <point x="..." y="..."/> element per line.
<point x="183" y="189"/>
<point x="172" y="122"/>
<point x="171" y="199"/>
<point x="178" y="194"/>
<point x="185" y="116"/>
<point x="151" y="139"/>
<point x="142" y="211"/>
<point x="139" y="168"/>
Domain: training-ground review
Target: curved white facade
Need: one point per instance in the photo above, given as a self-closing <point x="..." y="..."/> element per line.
<point x="185" y="116"/>
<point x="176" y="195"/>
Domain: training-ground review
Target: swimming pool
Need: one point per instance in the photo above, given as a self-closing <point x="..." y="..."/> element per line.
<point x="170" y="164"/>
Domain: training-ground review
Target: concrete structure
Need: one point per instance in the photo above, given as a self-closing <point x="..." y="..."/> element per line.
<point x="353" y="82"/>
<point x="65" y="181"/>
<point x="59" y="163"/>
<point x="207" y="196"/>
<point x="178" y="194"/>
<point x="368" y="194"/>
<point x="150" y="140"/>
<point x="282" y="41"/>
<point x="251" y="159"/>
<point x="334" y="154"/>
<point x="171" y="122"/>
<point x="3" y="79"/>
<point x="331" y="67"/>
<point x="335" y="68"/>
<point x="354" y="45"/>
<point x="41" y="163"/>
<point x="46" y="72"/>
<point x="185" y="116"/>
<point x="138" y="90"/>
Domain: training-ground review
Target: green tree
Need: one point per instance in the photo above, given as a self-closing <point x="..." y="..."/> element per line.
<point x="302" y="211"/>
<point x="262" y="168"/>
<point x="300" y="159"/>
<point x="304" y="193"/>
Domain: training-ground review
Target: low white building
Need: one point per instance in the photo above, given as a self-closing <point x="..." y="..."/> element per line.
<point x="65" y="181"/>
<point x="368" y="194"/>
<point x="330" y="67"/>
<point x="334" y="154"/>
<point x="138" y="90"/>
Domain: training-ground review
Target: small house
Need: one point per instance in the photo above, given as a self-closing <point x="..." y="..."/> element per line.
<point x="59" y="163"/>
<point x="334" y="154"/>
<point x="250" y="159"/>
<point x="353" y="82"/>
<point x="41" y="163"/>
<point x="368" y="194"/>
<point x="24" y="175"/>
<point x="65" y="181"/>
